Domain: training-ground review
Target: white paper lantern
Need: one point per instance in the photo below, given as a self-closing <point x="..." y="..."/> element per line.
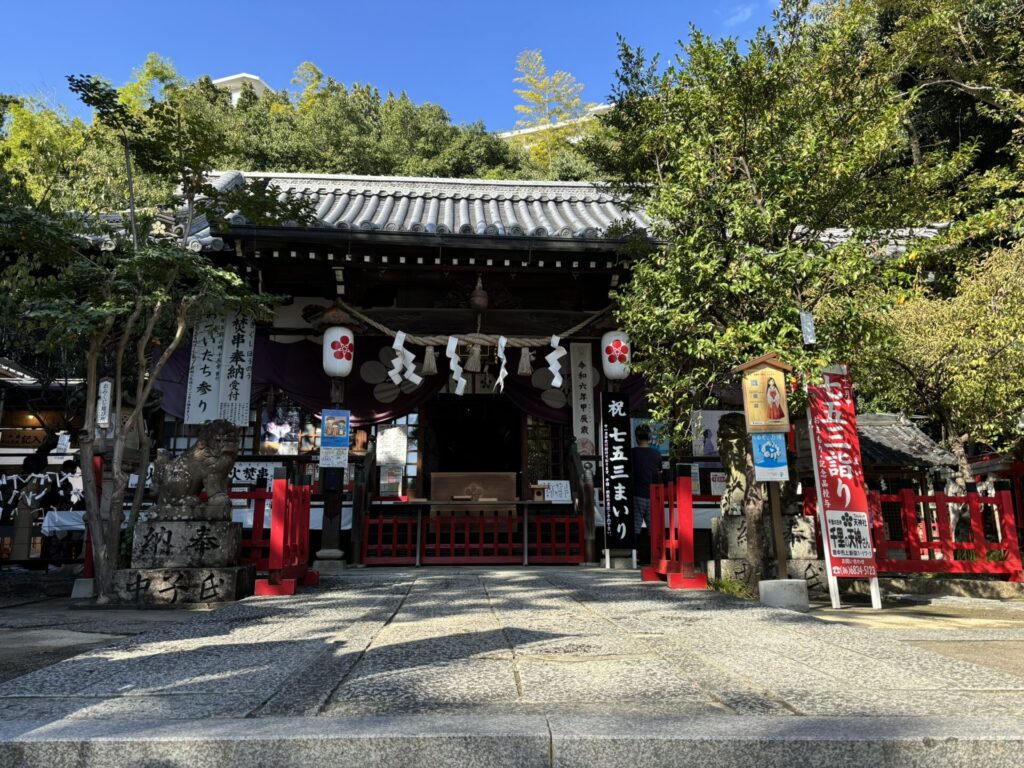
<point x="339" y="351"/>
<point x="616" y="355"/>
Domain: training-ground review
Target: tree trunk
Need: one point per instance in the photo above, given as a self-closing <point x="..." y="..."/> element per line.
<point x="959" y="450"/>
<point x="959" y="514"/>
<point x="143" y="470"/>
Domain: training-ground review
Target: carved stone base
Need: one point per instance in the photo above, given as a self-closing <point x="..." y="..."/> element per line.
<point x="186" y="544"/>
<point x="164" y="587"/>
<point x="811" y="571"/>
<point x="730" y="536"/>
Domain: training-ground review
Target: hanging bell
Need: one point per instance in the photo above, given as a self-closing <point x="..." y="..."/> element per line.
<point x="429" y="361"/>
<point x="525" y="369"/>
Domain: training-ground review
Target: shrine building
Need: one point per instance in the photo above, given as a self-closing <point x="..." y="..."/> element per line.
<point x="463" y="272"/>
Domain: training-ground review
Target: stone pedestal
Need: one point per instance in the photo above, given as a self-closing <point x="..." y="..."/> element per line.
<point x="811" y="571"/>
<point x="158" y="587"/>
<point x="784" y="593"/>
<point x="329" y="561"/>
<point x="177" y="562"/>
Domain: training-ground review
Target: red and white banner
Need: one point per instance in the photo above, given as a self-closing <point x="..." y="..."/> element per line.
<point x="842" y="494"/>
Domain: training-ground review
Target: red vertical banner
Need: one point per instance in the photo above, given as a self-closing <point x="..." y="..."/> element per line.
<point x="842" y="493"/>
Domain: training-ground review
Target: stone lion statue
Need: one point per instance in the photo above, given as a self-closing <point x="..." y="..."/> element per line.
<point x="203" y="468"/>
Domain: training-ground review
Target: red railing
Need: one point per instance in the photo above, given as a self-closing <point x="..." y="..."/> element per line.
<point x="449" y="538"/>
<point x="486" y="539"/>
<point x="285" y="555"/>
<point x="920" y="530"/>
<point x="389" y="540"/>
<point x="672" y="536"/>
<point x="256" y="548"/>
<point x="556" y="540"/>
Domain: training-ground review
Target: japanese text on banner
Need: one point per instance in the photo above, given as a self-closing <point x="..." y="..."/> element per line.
<point x="617" y="468"/>
<point x="202" y="401"/>
<point x="840" y="477"/>
<point x="236" y="369"/>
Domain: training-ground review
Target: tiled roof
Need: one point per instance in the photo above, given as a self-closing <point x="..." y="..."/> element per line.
<point x="888" y="439"/>
<point x="451" y="206"/>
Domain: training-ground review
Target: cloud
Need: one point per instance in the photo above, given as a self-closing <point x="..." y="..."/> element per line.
<point x="740" y="14"/>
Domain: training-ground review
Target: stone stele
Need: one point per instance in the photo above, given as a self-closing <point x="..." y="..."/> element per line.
<point x="186" y="544"/>
<point x="187" y="549"/>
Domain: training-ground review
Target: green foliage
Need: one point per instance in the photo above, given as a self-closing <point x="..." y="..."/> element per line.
<point x="731" y="586"/>
<point x="746" y="158"/>
<point x="121" y="311"/>
<point x="554" y="122"/>
<point x="328" y="127"/>
<point x="959" y="358"/>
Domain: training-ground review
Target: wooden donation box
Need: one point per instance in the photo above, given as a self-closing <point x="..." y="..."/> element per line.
<point x="463" y="488"/>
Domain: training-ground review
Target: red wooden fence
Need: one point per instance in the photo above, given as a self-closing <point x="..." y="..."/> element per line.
<point x="487" y="539"/>
<point x="672" y="536"/>
<point x="390" y="538"/>
<point x="913" y="533"/>
<point x="285" y="555"/>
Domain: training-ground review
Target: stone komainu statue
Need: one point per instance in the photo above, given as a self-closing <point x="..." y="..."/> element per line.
<point x="203" y="468"/>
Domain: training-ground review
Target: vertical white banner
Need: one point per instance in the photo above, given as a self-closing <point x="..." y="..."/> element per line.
<point x="236" y="369"/>
<point x="583" y="427"/>
<point x="202" y="401"/>
<point x="103" y="402"/>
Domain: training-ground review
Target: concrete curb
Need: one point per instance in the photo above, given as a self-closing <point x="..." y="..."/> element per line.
<point x="565" y="741"/>
<point x="986" y="589"/>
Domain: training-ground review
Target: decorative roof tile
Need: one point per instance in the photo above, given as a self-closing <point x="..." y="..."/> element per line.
<point x="539" y="209"/>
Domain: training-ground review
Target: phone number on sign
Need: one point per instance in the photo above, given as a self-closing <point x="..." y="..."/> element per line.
<point x="849" y="569"/>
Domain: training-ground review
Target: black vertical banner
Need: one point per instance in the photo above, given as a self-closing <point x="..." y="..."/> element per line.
<point x="617" y="469"/>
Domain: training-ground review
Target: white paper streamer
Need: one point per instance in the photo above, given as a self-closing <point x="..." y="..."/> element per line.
<point x="502" y="371"/>
<point x="395" y="374"/>
<point x="452" y="353"/>
<point x="553" y="365"/>
<point x="404" y="364"/>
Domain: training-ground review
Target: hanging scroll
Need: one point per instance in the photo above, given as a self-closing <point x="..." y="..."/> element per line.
<point x="236" y="369"/>
<point x="202" y="401"/>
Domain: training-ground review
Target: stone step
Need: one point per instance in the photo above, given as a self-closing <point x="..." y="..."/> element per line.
<point x="523" y="741"/>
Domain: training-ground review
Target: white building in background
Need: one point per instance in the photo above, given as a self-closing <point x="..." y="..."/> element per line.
<point x="233" y="85"/>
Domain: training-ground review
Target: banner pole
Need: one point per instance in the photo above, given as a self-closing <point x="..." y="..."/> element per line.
<point x="833" y="582"/>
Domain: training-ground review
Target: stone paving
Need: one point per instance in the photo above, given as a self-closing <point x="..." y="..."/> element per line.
<point x="498" y="644"/>
<point x="506" y="642"/>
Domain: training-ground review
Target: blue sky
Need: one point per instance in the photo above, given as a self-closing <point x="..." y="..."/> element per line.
<point x="457" y="53"/>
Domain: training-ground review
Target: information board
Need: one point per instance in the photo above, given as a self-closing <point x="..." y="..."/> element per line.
<point x="334" y="438"/>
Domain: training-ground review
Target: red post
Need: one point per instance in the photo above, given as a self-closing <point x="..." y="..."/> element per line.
<point x="878" y="524"/>
<point x="1004" y="498"/>
<point x="684" y="519"/>
<point x="911" y="534"/>
<point x="278" y="510"/>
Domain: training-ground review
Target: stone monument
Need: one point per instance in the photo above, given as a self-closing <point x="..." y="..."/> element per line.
<point x="186" y="549"/>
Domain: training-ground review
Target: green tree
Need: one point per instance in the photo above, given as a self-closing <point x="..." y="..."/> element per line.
<point x="958" y="359"/>
<point x="747" y="159"/>
<point x="124" y="310"/>
<point x="554" y="120"/>
<point x="949" y="350"/>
